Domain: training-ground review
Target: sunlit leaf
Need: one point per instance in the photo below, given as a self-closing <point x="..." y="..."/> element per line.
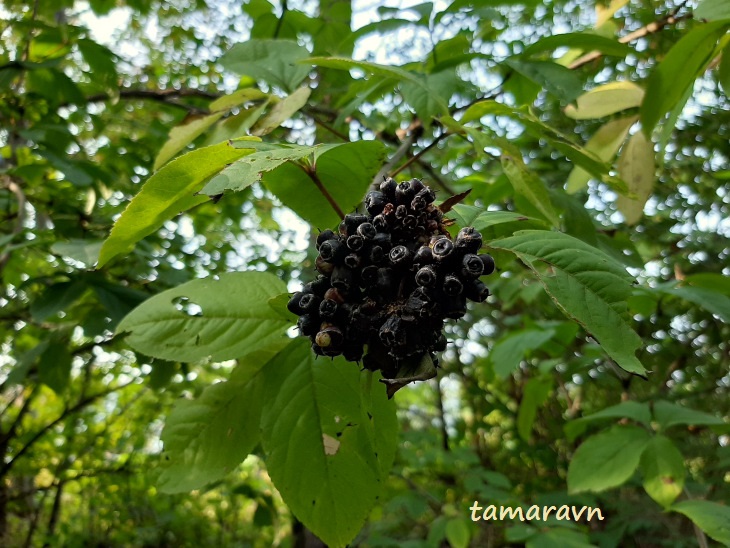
<point x="168" y="192"/>
<point x="606" y="100"/>
<point x="182" y="135"/>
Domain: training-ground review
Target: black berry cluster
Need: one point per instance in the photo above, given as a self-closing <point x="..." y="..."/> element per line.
<point x="389" y="279"/>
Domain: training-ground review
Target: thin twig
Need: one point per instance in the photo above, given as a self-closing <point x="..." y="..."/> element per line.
<point x="418" y="155"/>
<point x="14" y="187"/>
<point x="402" y="150"/>
<point x="66" y="413"/>
<point x="280" y="21"/>
<point x="312" y="173"/>
<point x="328" y="127"/>
<point x="646" y="30"/>
<point x="166" y="96"/>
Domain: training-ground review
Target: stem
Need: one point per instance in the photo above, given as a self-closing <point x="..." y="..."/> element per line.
<point x="442" y="415"/>
<point x="651" y="28"/>
<point x="318" y="183"/>
<point x="421" y="153"/>
<point x="280" y="21"/>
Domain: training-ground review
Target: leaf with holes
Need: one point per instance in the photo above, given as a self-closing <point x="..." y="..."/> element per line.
<point x="329" y="443"/>
<point x="586" y="284"/>
<point x="221" y="319"/>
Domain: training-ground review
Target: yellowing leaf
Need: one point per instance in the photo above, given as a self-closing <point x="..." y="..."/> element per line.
<point x="662" y="466"/>
<point x="605" y="100"/>
<point x="636" y="167"/>
<point x="604" y="13"/>
<point x="604" y="144"/>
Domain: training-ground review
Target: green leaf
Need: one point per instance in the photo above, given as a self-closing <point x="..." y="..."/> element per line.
<point x="628" y="409"/>
<point x="586" y="284"/>
<point x="606" y="100"/>
<point x="343" y="63"/>
<point x="276" y="62"/>
<point x="224" y="319"/>
<point x="168" y="192"/>
<point x="249" y="169"/>
<point x="345" y="172"/>
<point x="182" y="135"/>
<point x="559" y="537"/>
<point x="54" y="366"/>
<point x="208" y="437"/>
<point x="282" y="111"/>
<point x="708" y="280"/>
<point x="710" y="300"/>
<point x="466" y="215"/>
<point x="101" y="62"/>
<point x="529" y="185"/>
<point x="711" y="517"/>
<point x="535" y="394"/>
<point x="236" y="98"/>
<point x="56" y="298"/>
<point x="607" y="459"/>
<point x="678" y="70"/>
<point x="556" y="79"/>
<point x="662" y="466"/>
<point x="458" y="533"/>
<point x="328" y="443"/>
<point x="581" y="40"/>
<point x="510" y="349"/>
<point x="723" y="71"/>
<point x="430" y="98"/>
<point x="604" y="144"/>
<point x="712" y="10"/>
<point x="670" y="414"/>
<point x="636" y="167"/>
<point x="83" y="251"/>
<point x="578" y="155"/>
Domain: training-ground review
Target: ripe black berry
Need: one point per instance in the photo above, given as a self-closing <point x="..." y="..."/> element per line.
<point x="389" y="278"/>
